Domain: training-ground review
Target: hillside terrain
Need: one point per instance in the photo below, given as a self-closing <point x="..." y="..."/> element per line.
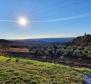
<point x="76" y="52"/>
<point x="23" y="71"/>
<point x="82" y="40"/>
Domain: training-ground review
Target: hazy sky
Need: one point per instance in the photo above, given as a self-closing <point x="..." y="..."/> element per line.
<point x="47" y="18"/>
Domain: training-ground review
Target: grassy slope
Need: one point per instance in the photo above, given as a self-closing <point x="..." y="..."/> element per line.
<point x="34" y="72"/>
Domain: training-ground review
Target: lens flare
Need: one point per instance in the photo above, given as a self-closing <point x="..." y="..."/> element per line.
<point x="22" y="21"/>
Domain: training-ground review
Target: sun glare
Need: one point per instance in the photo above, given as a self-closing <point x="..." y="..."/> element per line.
<point x="22" y="21"/>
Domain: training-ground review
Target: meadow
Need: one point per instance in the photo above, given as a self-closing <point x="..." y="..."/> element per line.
<point x="24" y="71"/>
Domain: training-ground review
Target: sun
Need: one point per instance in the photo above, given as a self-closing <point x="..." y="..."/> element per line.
<point x="22" y="21"/>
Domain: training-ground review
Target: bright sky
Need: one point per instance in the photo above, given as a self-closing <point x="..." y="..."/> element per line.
<point x="46" y="18"/>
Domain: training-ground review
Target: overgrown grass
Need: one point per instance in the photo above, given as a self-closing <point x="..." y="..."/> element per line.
<point x="26" y="71"/>
<point x="84" y="70"/>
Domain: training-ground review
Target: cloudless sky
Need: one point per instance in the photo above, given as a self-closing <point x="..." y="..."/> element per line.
<point x="47" y="18"/>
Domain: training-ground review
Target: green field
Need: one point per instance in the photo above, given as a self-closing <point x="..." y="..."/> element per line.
<point x="26" y="71"/>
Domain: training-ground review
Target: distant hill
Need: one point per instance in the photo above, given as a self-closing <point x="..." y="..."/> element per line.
<point x="27" y="42"/>
<point x="45" y="40"/>
<point x="82" y="40"/>
<point x="4" y="41"/>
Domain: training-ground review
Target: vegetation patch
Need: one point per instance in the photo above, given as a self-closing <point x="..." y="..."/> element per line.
<point x="34" y="72"/>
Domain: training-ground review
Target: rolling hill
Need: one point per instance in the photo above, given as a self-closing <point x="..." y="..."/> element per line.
<point x="45" y="40"/>
<point x="82" y="40"/>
